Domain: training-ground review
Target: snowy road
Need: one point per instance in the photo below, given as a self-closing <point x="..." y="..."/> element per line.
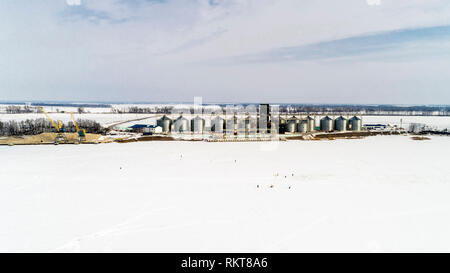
<point x="385" y="193"/>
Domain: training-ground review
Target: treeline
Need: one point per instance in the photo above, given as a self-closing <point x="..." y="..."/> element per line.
<point x="87" y="105"/>
<point x="143" y="110"/>
<point x="313" y="109"/>
<point x="14" y="109"/>
<point x="368" y="109"/>
<point x="17" y="109"/>
<point x="38" y="126"/>
<point x="283" y="108"/>
<point x="419" y="128"/>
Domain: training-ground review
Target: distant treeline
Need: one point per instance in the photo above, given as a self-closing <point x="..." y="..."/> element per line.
<point x="13" y="109"/>
<point x="420" y="128"/>
<point x="143" y="110"/>
<point x="310" y="109"/>
<point x="367" y="109"/>
<point x="17" y="109"/>
<point x="41" y="125"/>
<point x="90" y="105"/>
<point x="283" y="108"/>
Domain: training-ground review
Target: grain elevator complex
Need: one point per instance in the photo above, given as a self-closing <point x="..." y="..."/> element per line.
<point x="257" y="124"/>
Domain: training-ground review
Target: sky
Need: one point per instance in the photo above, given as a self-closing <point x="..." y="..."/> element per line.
<point x="284" y="51"/>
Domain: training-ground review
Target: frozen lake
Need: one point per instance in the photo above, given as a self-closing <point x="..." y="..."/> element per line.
<point x="384" y="193"/>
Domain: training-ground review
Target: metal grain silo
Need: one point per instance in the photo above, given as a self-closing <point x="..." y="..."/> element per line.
<point x="311" y="124"/>
<point x="217" y="124"/>
<point x="326" y="124"/>
<point x="165" y="123"/>
<point x="355" y="124"/>
<point x="251" y="125"/>
<point x="341" y="124"/>
<point x="231" y="125"/>
<point x="181" y="125"/>
<point x="291" y="125"/>
<point x="302" y="126"/>
<point x="240" y="126"/>
<point x="246" y="125"/>
<point x="197" y="125"/>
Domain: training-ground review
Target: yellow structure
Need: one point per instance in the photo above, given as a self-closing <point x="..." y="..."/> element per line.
<point x="60" y="137"/>
<point x="81" y="132"/>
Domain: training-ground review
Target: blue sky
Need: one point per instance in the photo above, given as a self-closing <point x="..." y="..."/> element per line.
<point x="302" y="51"/>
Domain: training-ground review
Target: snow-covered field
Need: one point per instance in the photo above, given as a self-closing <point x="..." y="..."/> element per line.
<point x="67" y="109"/>
<point x="104" y="119"/>
<point x="109" y="110"/>
<point x="384" y="193"/>
<point x="438" y="122"/>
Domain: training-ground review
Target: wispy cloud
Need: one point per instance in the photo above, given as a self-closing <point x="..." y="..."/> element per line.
<point x="116" y="11"/>
<point x="196" y="42"/>
<point x="356" y="46"/>
<point x="82" y="12"/>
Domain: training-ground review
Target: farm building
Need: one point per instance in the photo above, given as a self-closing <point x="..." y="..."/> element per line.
<point x="146" y="129"/>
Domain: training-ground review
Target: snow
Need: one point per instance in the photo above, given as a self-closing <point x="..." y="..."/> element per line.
<point x="108" y="110"/>
<point x="67" y="109"/>
<point x="107" y="119"/>
<point x="439" y="122"/>
<point x="383" y="193"/>
<point x="104" y="119"/>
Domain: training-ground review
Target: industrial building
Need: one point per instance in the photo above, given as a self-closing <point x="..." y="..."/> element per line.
<point x="145" y="129"/>
<point x="375" y="126"/>
<point x="261" y="123"/>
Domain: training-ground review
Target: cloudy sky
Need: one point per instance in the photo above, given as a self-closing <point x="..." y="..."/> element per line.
<point x="303" y="51"/>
